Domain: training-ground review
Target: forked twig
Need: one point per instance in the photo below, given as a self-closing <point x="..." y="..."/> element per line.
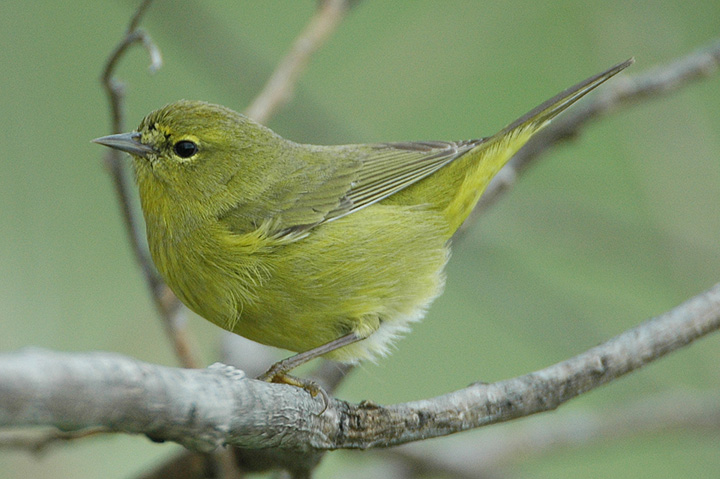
<point x="165" y="301"/>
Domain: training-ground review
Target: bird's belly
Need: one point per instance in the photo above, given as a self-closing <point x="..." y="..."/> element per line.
<point x="371" y="273"/>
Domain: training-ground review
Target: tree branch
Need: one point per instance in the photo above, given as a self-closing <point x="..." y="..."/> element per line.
<point x="39" y="442"/>
<point x="487" y="455"/>
<point x="279" y="88"/>
<point x="206" y="409"/>
<point x="165" y="301"/>
<point x="622" y="92"/>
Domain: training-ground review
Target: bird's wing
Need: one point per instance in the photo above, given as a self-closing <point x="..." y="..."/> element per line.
<point x="391" y="167"/>
<point x="336" y="181"/>
<point x="381" y="170"/>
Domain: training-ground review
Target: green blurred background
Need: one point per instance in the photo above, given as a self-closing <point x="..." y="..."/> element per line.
<point x="616" y="227"/>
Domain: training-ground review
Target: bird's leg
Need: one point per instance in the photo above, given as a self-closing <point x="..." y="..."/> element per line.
<point x="277" y="372"/>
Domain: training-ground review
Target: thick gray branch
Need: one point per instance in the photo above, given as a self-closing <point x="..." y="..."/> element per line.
<point x="199" y="408"/>
<point x="204" y="409"/>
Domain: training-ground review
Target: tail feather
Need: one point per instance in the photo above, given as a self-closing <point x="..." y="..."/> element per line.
<point x="488" y="157"/>
<point x="541" y="115"/>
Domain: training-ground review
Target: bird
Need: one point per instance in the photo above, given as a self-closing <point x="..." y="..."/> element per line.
<point x="329" y="251"/>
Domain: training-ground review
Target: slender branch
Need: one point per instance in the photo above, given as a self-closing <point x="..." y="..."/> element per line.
<point x="165" y="301"/>
<point x="137" y="16"/>
<point x="279" y="88"/>
<point x="480" y="456"/>
<point x="620" y="93"/>
<point x="206" y="409"/>
<point x="544" y="390"/>
<point x="487" y="455"/>
<point x="191" y="465"/>
<point x="115" y="90"/>
<point x="39" y="442"/>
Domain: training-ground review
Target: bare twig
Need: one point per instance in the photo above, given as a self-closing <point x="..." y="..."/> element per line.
<point x="38" y="442"/>
<point x="165" y="301"/>
<point x="77" y="391"/>
<point x="137" y="16"/>
<point x="114" y="158"/>
<point x="620" y="93"/>
<point x="486" y="455"/>
<point x="184" y="465"/>
<point x="279" y="88"/>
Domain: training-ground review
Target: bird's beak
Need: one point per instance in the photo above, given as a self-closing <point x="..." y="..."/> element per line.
<point x="128" y="142"/>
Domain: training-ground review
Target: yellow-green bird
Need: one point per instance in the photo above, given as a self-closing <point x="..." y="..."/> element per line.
<point x="322" y="250"/>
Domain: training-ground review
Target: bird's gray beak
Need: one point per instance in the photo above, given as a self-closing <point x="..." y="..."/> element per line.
<point x="128" y="142"/>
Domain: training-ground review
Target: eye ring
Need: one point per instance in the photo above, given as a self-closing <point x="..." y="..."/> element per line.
<point x="185" y="148"/>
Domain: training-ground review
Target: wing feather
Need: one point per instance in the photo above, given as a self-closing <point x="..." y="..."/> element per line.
<point x="391" y="167"/>
<point x="336" y="181"/>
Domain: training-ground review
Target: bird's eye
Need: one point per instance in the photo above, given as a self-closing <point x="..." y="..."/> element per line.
<point x="185" y="148"/>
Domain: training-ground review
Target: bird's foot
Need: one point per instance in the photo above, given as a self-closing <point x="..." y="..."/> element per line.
<point x="276" y="374"/>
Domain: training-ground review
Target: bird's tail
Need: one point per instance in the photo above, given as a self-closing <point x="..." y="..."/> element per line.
<point x="538" y="117"/>
<point x="486" y="159"/>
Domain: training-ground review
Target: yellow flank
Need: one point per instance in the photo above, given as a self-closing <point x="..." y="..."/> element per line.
<point x="296" y="245"/>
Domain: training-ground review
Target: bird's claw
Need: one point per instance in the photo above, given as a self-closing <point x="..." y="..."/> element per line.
<point x="278" y="376"/>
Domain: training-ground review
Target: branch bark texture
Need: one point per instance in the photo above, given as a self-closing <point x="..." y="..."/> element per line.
<point x="209" y="408"/>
